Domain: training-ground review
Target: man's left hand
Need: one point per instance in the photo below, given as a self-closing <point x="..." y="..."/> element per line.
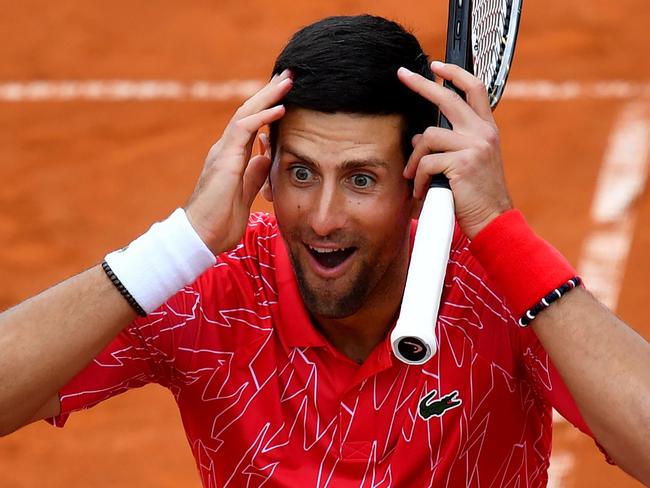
<point x="469" y="154"/>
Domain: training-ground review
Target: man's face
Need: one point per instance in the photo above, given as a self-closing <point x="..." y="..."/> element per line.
<point x="342" y="206"/>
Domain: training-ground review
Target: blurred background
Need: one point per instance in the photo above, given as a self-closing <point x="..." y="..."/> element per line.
<point x="107" y="110"/>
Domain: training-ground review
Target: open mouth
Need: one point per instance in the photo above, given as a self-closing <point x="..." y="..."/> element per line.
<point x="330" y="258"/>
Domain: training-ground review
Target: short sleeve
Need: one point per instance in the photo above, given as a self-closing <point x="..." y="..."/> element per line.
<point x="164" y="347"/>
<point x="144" y="352"/>
<point x="546" y="380"/>
<point x="128" y="361"/>
<point x="549" y="386"/>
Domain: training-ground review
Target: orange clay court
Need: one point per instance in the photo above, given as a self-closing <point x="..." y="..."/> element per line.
<point x="87" y="167"/>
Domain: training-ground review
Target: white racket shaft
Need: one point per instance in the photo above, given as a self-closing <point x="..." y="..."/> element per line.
<point x="413" y="338"/>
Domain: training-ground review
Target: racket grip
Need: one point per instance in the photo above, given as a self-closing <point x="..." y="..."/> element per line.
<point x="413" y="339"/>
<point x="439" y="181"/>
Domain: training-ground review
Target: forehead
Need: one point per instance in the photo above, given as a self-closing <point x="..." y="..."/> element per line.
<point x="340" y="136"/>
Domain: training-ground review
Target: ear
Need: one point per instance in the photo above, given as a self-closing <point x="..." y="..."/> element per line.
<point x="267" y="190"/>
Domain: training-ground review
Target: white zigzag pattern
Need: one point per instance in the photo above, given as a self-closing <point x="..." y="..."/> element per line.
<point x="457" y="328"/>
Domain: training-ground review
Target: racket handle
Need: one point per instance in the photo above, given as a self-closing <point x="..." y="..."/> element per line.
<point x="413" y="338"/>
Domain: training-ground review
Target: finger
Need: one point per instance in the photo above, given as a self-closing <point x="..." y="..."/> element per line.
<point x="248" y="151"/>
<point x="269" y="95"/>
<point x="242" y="131"/>
<point x="457" y="111"/>
<point x="255" y="175"/>
<point x="431" y="164"/>
<point x="434" y="140"/>
<point x="474" y="88"/>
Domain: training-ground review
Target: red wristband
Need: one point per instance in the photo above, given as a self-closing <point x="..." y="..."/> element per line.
<point x="522" y="265"/>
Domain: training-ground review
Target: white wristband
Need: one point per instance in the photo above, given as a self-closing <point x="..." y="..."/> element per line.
<point x="160" y="262"/>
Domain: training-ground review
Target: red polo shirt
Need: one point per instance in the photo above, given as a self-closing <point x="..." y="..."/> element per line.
<point x="267" y="401"/>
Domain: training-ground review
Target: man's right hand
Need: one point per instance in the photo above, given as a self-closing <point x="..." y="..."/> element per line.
<point x="219" y="207"/>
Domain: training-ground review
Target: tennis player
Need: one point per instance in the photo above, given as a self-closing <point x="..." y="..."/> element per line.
<point x="271" y="331"/>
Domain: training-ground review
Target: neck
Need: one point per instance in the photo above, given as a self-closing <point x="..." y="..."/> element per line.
<point x="358" y="334"/>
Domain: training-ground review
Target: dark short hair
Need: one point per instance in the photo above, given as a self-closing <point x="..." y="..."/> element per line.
<point x="349" y="64"/>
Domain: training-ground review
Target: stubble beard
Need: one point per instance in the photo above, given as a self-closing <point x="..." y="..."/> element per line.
<point x="324" y="302"/>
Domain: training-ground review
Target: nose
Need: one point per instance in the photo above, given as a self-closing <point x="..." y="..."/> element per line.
<point x="328" y="210"/>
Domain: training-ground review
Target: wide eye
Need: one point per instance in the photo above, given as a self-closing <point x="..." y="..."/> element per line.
<point x="362" y="181"/>
<point x="300" y="173"/>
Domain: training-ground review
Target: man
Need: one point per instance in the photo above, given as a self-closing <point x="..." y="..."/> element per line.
<point x="278" y="354"/>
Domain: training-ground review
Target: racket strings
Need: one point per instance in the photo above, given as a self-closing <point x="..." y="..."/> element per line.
<point x="490" y="27"/>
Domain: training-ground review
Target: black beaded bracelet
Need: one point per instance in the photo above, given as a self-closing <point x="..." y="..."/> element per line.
<point x="545" y="302"/>
<point x="122" y="289"/>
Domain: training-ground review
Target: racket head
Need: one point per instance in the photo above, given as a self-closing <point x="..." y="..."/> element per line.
<point x="495" y="25"/>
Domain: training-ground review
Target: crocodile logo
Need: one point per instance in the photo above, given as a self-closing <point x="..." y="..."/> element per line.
<point x="436" y="408"/>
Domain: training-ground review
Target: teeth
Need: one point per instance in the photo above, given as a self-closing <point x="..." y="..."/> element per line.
<point x="325" y="249"/>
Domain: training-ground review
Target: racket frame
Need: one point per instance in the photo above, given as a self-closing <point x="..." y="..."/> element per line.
<point x="495" y="91"/>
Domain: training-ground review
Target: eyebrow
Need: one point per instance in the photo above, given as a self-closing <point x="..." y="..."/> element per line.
<point x="348" y="164"/>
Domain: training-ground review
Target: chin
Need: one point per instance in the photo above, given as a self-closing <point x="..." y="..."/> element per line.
<point x="324" y="301"/>
<point x="335" y="308"/>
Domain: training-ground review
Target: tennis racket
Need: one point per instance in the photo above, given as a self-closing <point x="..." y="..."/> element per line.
<point x="481" y="36"/>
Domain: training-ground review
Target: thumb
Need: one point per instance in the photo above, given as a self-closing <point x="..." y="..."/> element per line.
<point x="255" y="176"/>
